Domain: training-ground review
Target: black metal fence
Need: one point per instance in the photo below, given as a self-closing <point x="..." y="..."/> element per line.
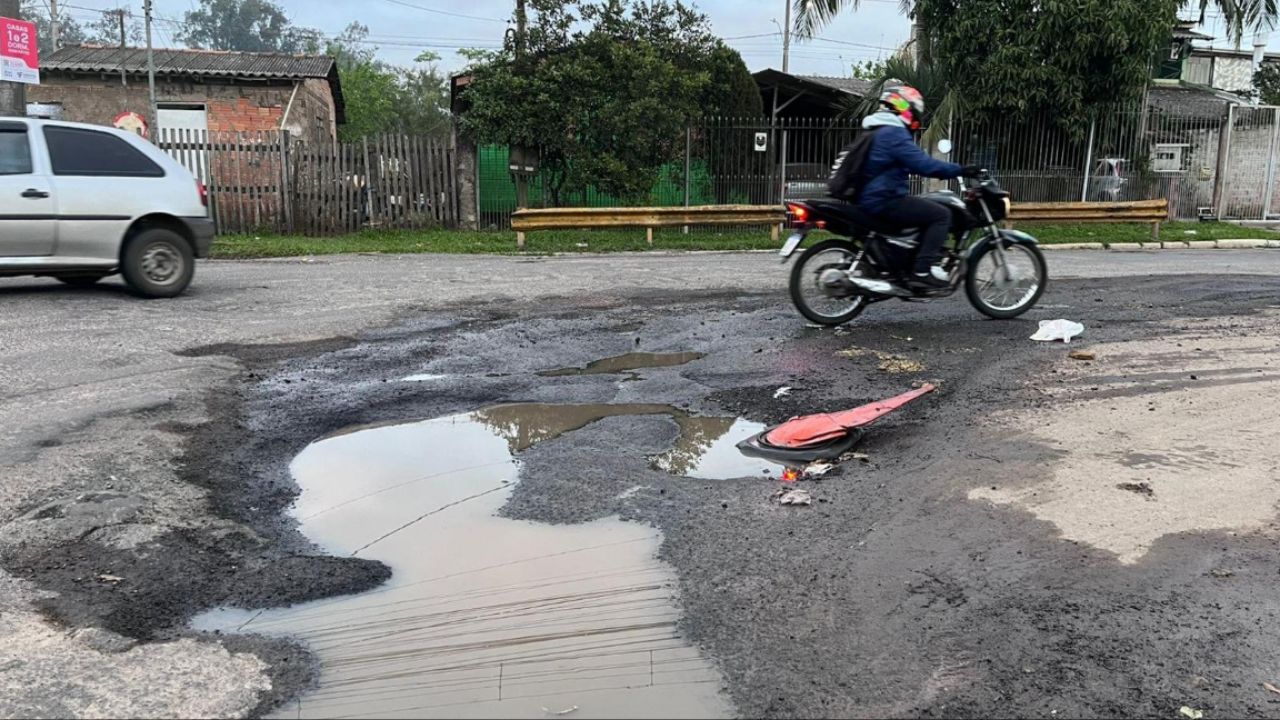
<point x="1204" y="163"/>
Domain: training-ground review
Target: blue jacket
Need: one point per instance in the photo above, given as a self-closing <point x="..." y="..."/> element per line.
<point x="893" y="157"/>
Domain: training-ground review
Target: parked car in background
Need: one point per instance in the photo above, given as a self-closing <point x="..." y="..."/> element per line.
<point x="1109" y="180"/>
<point x="82" y="202"/>
<point x="806" y="181"/>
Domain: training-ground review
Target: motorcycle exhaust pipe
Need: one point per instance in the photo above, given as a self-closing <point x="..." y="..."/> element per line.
<point x="878" y="287"/>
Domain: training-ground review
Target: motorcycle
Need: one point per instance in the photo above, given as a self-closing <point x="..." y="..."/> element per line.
<point x="1003" y="271"/>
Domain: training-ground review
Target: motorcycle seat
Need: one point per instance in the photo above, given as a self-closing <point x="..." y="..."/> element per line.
<point x="852" y="215"/>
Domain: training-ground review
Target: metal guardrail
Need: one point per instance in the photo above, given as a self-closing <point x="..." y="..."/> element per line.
<point x="523" y="221"/>
<point x="1154" y="212"/>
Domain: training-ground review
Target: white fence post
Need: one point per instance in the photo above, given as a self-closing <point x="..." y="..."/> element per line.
<point x="1088" y="159"/>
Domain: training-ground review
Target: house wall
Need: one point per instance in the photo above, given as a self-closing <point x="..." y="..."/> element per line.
<point x="1250" y="160"/>
<point x="241" y="107"/>
<point x="1233" y="74"/>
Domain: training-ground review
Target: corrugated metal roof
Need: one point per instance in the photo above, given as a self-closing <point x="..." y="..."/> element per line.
<point x="844" y="84"/>
<point x="206" y="63"/>
<point x="1187" y="101"/>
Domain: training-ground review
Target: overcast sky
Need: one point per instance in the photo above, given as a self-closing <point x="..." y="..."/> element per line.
<point x="403" y="28"/>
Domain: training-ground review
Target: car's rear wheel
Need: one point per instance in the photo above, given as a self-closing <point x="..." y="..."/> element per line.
<point x="81" y="281"/>
<point x="158" y="263"/>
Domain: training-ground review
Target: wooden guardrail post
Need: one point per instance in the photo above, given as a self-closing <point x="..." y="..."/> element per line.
<point x="519" y="239"/>
<point x="648" y="235"/>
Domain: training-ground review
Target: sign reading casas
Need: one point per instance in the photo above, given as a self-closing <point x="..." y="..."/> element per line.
<point x="19" y="52"/>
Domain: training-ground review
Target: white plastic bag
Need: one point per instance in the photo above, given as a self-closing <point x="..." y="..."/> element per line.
<point x="1054" y="330"/>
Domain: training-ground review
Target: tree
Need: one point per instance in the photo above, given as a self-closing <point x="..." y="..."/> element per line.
<point x="873" y="70"/>
<point x="1025" y="57"/>
<point x="1266" y="83"/>
<point x="1240" y="15"/>
<point x="923" y="76"/>
<point x="247" y="25"/>
<point x="69" y="29"/>
<point x="105" y="30"/>
<point x="606" y="89"/>
<point x="731" y="90"/>
<point x="383" y="98"/>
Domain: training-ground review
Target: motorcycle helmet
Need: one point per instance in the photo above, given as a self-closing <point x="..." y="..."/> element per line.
<point x="904" y="101"/>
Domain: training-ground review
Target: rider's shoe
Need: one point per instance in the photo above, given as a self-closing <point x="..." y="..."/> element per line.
<point x="935" y="279"/>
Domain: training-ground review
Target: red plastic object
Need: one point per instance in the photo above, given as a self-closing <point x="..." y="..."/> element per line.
<point x="812" y="430"/>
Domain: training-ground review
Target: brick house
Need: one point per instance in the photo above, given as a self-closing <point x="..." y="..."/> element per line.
<point x="195" y="89"/>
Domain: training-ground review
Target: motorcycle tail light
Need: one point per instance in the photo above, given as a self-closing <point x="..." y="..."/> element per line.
<point x="799" y="213"/>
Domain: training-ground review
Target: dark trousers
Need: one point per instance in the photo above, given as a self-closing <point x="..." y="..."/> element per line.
<point x="933" y="220"/>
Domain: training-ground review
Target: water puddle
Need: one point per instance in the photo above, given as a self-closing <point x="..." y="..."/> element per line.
<point x="483" y="616"/>
<point x="707" y="449"/>
<point x="627" y="363"/>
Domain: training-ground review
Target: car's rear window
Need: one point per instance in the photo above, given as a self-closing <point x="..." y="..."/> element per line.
<point x="15" y="152"/>
<point x="73" y="151"/>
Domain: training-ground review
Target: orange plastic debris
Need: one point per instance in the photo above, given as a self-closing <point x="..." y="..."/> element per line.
<point x="813" y="430"/>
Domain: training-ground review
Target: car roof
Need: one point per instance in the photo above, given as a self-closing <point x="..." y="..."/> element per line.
<point x="42" y="122"/>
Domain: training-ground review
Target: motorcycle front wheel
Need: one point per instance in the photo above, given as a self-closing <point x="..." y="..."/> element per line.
<point x="1005" y="283"/>
<point x="814" y="295"/>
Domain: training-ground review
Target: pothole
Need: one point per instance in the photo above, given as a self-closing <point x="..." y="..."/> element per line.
<point x="627" y="363"/>
<point x="707" y="449"/>
<point x="484" y="616"/>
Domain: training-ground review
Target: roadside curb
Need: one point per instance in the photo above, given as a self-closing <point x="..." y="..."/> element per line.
<point x="1251" y="244"/>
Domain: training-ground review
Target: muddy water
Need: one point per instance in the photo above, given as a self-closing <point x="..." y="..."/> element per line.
<point x="708" y="449"/>
<point x="627" y="363"/>
<point x="483" y="617"/>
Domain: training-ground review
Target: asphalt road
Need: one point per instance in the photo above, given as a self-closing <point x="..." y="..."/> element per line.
<point x="145" y="448"/>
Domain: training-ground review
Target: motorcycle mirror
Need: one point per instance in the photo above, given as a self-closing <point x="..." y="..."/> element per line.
<point x="944" y="147"/>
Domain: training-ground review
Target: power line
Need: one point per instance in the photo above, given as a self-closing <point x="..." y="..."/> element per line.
<point x="445" y="12"/>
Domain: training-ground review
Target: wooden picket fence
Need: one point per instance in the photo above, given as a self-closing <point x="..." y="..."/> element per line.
<point x="267" y="182"/>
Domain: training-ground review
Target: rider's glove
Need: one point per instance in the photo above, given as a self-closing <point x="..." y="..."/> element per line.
<point x="972" y="171"/>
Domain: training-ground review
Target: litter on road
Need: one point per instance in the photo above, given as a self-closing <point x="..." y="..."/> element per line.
<point x="818" y="469"/>
<point x="824" y="436"/>
<point x="1055" y="330"/>
<point x="1271" y="688"/>
<point x="793" y="496"/>
<point x="782" y="392"/>
<point x="1191" y="713"/>
<point x="1085" y="355"/>
<point x="566" y="711"/>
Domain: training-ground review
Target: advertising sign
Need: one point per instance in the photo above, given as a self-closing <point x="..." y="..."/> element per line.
<point x="19" y="52"/>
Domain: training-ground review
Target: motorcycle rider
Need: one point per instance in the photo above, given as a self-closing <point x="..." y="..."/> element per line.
<point x="892" y="157"/>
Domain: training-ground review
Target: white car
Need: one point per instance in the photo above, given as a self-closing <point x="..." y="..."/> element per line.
<point x="81" y="202"/>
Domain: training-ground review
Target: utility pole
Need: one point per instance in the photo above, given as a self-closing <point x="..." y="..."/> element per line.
<point x="522" y="20"/>
<point x="786" y="39"/>
<point x="521" y="178"/>
<point x="55" y="28"/>
<point x="13" y="96"/>
<point x="151" y="66"/>
<point x="119" y="13"/>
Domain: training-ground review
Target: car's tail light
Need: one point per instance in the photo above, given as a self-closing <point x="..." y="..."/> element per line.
<point x="203" y="191"/>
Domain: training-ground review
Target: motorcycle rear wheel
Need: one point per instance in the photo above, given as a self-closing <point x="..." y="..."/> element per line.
<point x="807" y="293"/>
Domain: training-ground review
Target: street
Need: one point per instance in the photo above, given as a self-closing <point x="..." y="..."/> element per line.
<point x="1042" y="536"/>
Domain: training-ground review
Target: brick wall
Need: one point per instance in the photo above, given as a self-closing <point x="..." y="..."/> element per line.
<point x="231" y="106"/>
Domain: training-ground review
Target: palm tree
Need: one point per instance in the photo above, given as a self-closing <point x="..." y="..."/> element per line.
<point x="941" y="102"/>
<point x="813" y="15"/>
<point x="1244" y="15"/>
